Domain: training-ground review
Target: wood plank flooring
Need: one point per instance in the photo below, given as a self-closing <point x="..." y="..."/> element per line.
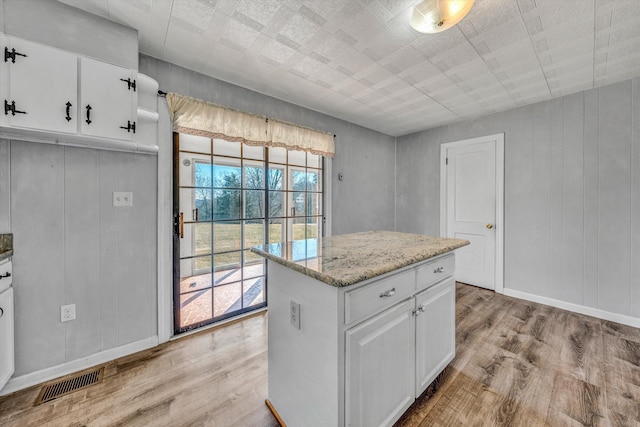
<point x="517" y="364"/>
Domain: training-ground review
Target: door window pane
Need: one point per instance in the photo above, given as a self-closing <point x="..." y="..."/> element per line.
<point x="254" y="175"/>
<point x="278" y="155"/>
<point x="298" y="158"/>
<point x="227" y="204"/>
<point x="276" y="231"/>
<point x="193" y="143"/>
<point x="251" y="152"/>
<point x="254" y="204"/>
<point x="227" y="236"/>
<point x="276" y="177"/>
<point x="253" y="233"/>
<point x="226" y="148"/>
<point x="253" y="291"/>
<point x="276" y="204"/>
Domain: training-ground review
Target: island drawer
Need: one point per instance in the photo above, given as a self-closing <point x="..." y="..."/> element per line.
<point x="376" y="296"/>
<point x="434" y="271"/>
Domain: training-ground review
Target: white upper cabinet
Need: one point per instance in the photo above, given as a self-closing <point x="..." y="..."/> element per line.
<point x="53" y="95"/>
<point x="108" y="100"/>
<point x="40" y="86"/>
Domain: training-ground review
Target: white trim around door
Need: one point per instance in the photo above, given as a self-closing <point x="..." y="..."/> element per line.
<point x="499" y="190"/>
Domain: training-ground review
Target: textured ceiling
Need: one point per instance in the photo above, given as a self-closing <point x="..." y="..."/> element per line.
<point x="359" y="60"/>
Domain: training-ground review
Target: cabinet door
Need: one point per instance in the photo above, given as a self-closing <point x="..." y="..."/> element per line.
<point x="435" y="332"/>
<point x="6" y="336"/>
<point x="379" y="371"/>
<point x="106" y="100"/>
<point x="40" y="84"/>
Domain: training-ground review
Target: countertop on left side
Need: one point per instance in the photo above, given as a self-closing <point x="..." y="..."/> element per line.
<point x="6" y="246"/>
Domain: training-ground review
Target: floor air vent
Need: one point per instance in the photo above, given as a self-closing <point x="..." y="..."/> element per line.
<point x="69" y="385"/>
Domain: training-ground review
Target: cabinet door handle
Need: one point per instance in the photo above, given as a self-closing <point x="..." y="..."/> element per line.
<point x="1" y="311"/>
<point x="391" y="292"/>
<point x="11" y="107"/>
<point x="419" y="310"/>
<point x="2" y="276"/>
<point x="88" y="107"/>
<point x="69" y="105"/>
<point x="439" y="270"/>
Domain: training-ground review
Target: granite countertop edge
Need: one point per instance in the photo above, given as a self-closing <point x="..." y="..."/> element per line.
<point x="363" y="275"/>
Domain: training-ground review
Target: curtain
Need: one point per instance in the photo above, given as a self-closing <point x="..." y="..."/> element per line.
<point x="198" y="117"/>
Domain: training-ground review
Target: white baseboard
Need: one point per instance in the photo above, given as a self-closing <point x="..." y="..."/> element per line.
<point x="47" y="374"/>
<point x="576" y="308"/>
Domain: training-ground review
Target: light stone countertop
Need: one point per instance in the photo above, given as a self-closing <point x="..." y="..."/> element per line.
<point x="347" y="259"/>
<point x="6" y="246"/>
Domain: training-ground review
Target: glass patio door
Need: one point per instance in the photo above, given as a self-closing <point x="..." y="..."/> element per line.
<point x="225" y="194"/>
<point x="220" y="199"/>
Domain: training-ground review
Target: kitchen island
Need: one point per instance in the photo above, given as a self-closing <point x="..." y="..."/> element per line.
<point x="359" y="325"/>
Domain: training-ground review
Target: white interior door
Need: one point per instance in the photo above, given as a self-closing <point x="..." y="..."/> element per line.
<point x="472" y="207"/>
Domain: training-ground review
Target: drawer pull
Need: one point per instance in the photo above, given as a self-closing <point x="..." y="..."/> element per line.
<point x="5" y="275"/>
<point x="391" y="292"/>
<point x="439" y="270"/>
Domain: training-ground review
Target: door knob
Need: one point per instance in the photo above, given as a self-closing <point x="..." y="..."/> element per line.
<point x="489" y="226"/>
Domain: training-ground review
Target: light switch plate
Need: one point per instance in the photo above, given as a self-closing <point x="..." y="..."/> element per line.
<point x="122" y="198"/>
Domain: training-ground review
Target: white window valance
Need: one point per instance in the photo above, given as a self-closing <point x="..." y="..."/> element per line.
<point x="198" y="117"/>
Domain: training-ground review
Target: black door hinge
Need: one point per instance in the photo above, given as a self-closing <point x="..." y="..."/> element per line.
<point x="11" y="107"/>
<point x="131" y="84"/>
<point x="11" y="54"/>
<point x="131" y="126"/>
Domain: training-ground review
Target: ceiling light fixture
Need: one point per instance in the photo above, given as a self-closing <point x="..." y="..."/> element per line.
<point x="434" y="16"/>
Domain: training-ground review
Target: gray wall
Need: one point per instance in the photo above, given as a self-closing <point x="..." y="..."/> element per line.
<point x="364" y="200"/>
<point x="71" y="246"/>
<point x="55" y="24"/>
<point x="572" y="194"/>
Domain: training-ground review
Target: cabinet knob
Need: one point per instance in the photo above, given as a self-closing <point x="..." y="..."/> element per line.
<point x="391" y="292"/>
<point x="419" y="310"/>
<point x="489" y="226"/>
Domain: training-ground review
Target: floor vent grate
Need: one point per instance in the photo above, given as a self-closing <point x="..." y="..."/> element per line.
<point x="69" y="385"/>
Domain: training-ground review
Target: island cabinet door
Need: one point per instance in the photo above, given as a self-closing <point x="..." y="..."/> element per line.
<point x="380" y="367"/>
<point x="435" y="332"/>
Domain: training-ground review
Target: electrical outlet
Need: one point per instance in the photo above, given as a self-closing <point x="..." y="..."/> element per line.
<point x="122" y="198"/>
<point x="294" y="313"/>
<point x="67" y="313"/>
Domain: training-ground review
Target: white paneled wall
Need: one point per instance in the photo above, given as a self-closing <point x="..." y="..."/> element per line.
<point x="71" y="246"/>
<point x="572" y="195"/>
